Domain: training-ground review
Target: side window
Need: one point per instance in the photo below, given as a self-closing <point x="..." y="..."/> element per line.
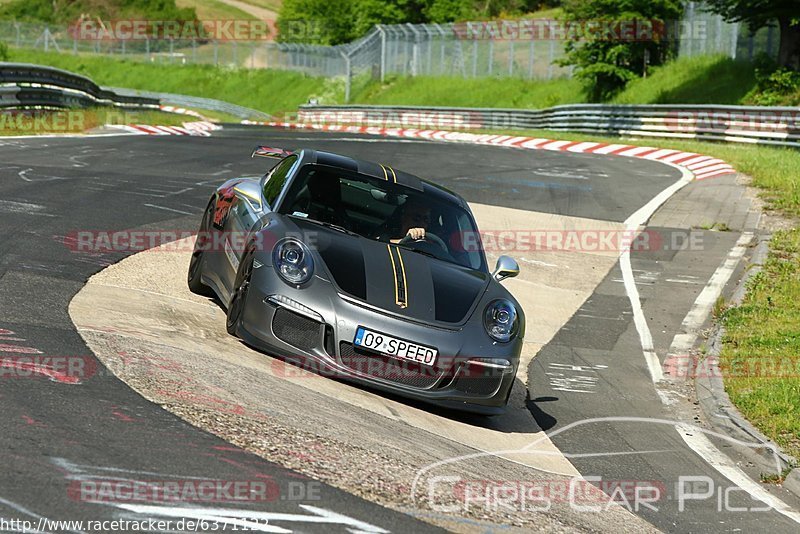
<point x="277" y="178"/>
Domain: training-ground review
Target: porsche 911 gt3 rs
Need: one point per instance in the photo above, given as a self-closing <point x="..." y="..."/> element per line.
<point x="362" y="272"/>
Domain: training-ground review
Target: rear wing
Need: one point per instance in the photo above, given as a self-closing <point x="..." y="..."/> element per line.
<point x="270" y="152"/>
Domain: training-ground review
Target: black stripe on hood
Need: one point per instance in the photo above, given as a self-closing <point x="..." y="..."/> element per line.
<point x="345" y="261"/>
<point x="455" y="289"/>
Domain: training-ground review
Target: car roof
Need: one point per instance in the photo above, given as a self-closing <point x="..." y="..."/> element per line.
<point x="382" y="171"/>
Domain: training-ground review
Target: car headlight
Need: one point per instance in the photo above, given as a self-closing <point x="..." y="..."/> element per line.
<point x="501" y="320"/>
<point x="293" y="261"/>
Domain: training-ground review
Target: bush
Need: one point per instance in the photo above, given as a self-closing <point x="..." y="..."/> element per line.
<point x="606" y="63"/>
<point x="774" y="86"/>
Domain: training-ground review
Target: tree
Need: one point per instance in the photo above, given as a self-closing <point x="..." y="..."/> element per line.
<point x="613" y="41"/>
<point x="759" y="13"/>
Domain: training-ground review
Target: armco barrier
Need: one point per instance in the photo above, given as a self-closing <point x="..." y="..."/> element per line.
<point x="196" y="102"/>
<point x="24" y="85"/>
<point x="741" y="124"/>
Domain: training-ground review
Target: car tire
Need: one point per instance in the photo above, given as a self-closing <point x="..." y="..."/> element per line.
<point x="240" y="288"/>
<point x="195" y="276"/>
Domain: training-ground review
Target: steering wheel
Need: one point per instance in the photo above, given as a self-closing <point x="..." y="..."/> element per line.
<point x="433" y="238"/>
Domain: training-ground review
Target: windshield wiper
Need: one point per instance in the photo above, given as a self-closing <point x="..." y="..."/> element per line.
<point x="332" y="226"/>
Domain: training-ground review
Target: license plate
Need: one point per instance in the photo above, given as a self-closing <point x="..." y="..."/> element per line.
<point x="396" y="348"/>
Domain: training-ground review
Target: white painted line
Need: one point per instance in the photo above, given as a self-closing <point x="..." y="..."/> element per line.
<point x="633" y="222"/>
<point x="699" y="443"/>
<point x="708" y="296"/>
<point x="168" y="209"/>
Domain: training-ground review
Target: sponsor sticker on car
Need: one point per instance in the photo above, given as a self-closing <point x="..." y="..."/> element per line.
<point x="394" y="347"/>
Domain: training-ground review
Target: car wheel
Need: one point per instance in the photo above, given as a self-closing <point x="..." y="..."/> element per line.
<point x="195" y="275"/>
<point x="239" y="297"/>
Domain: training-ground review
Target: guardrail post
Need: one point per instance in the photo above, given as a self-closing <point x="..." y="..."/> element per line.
<point x="16" y="39"/>
<point x="46" y="39"/>
<point x="550" y="61"/>
<point x="216" y="53"/>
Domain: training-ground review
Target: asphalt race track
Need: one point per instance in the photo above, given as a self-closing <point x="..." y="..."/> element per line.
<point x="58" y="435"/>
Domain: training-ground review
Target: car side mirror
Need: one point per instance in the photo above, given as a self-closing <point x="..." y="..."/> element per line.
<point x="507" y="267"/>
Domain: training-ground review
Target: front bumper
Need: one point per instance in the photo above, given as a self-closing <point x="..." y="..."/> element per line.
<point x="471" y="373"/>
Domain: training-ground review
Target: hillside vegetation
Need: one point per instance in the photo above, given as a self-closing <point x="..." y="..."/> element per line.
<point x="68" y="11"/>
<point x="723" y="80"/>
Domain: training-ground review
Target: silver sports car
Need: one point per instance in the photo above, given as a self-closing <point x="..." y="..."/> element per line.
<point x="362" y="272"/>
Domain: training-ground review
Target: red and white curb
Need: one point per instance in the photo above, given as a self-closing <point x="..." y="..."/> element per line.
<point x="199" y="128"/>
<point x="181" y="111"/>
<point x="701" y="166"/>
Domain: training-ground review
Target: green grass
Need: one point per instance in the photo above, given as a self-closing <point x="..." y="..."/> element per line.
<point x="473" y="92"/>
<point x="693" y="80"/>
<point x="761" y="355"/>
<point x="270" y="91"/>
<point x="723" y="81"/>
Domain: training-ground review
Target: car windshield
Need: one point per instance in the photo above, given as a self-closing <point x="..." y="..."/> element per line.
<point x="384" y="211"/>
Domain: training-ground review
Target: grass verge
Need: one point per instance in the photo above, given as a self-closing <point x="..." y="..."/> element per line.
<point x="761" y="347"/>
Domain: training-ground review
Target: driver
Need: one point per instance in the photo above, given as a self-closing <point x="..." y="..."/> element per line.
<point x="414" y="220"/>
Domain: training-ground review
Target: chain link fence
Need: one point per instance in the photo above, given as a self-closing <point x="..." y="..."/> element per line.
<point x="470" y="50"/>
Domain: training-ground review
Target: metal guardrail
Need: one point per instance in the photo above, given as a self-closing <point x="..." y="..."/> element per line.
<point x="196" y="102"/>
<point x="24" y="85"/>
<point x="741" y="124"/>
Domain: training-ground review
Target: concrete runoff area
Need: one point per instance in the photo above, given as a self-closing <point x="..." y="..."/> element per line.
<point x="144" y="300"/>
